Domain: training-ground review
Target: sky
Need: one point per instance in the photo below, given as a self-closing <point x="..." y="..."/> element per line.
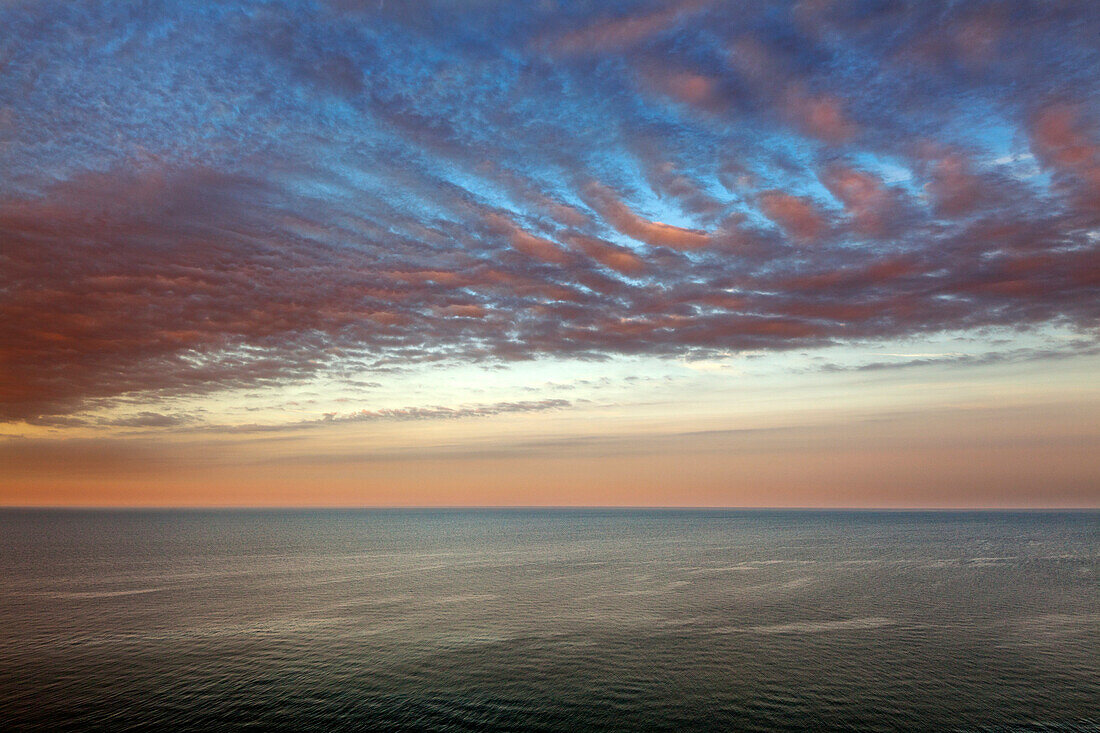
<point x="685" y="253"/>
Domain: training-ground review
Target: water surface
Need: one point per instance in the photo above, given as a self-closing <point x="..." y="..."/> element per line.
<point x="549" y="620"/>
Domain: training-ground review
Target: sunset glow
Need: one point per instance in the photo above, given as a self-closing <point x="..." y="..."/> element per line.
<point x="686" y="253"/>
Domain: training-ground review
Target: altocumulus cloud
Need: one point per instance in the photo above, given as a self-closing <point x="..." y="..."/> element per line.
<point x="206" y="196"/>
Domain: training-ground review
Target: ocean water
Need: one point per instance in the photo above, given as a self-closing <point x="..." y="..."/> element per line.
<point x="549" y="620"/>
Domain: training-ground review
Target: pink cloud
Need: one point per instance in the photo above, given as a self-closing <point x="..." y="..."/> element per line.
<point x="146" y="284"/>
<point x="753" y="60"/>
<point x="1060" y="140"/>
<point x="848" y="279"/>
<point x="609" y="255"/>
<point x="619" y="33"/>
<point x="527" y="243"/>
<point x="463" y="310"/>
<point x="865" y="197"/>
<point x="693" y="89"/>
<point x="539" y="248"/>
<point x="955" y="189"/>
<point x="819" y="115"/>
<point x="653" y="233"/>
<point x="795" y="214"/>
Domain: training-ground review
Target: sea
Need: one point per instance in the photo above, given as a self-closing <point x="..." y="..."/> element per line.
<point x="549" y="620"/>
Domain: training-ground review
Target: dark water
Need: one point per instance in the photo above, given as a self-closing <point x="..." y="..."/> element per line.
<point x="549" y="620"/>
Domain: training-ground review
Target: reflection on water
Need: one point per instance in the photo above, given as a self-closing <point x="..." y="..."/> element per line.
<point x="550" y="620"/>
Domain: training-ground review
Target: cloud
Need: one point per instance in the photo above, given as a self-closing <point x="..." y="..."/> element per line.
<point x="394" y="414"/>
<point x="1059" y="139"/>
<point x="956" y="191"/>
<point x="617" y="258"/>
<point x="530" y="245"/>
<point x="621" y="32"/>
<point x="1010" y="356"/>
<point x="821" y="115"/>
<point x="317" y="197"/>
<point x="436" y="413"/>
<point x="143" y="419"/>
<point x="875" y="209"/>
<point x="653" y="233"/>
<point x="795" y="214"/>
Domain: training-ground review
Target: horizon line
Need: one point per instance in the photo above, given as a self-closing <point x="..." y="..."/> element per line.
<point x="520" y="507"/>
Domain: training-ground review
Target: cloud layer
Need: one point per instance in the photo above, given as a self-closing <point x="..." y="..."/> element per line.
<point x="198" y="198"/>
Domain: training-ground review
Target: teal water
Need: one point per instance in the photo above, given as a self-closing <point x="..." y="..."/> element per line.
<point x="549" y="620"/>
